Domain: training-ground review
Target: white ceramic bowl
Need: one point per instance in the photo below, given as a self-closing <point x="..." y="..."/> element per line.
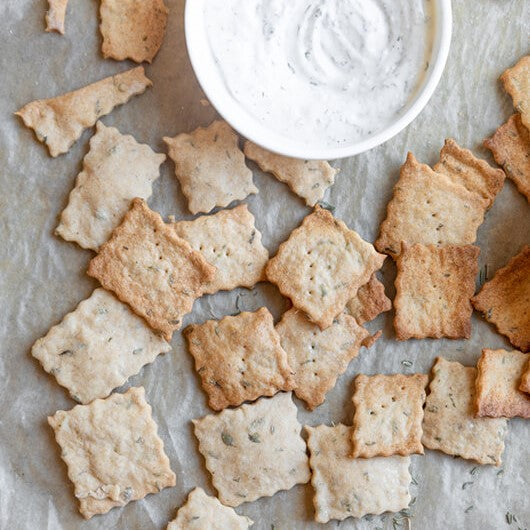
<point x="249" y="127"/>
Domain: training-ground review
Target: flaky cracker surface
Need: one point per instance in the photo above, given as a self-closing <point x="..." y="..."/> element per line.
<point x="369" y="302"/>
<point x="55" y="15"/>
<point x="516" y="81"/>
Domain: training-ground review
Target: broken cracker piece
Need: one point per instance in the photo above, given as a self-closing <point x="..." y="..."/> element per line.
<point x="152" y="269"/>
<point x="369" y="302"/>
<point x="434" y="287"/>
<point x="112" y="451"/>
<point x="254" y="450"/>
<point x="516" y="81"/>
<point x="449" y="423"/>
<point x="525" y="379"/>
<point x="210" y="167"/>
<point x="55" y="15"/>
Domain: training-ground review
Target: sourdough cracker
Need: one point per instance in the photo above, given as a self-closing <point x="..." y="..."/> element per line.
<point x="346" y="487"/>
<point x="115" y="170"/>
<point x="369" y="302"/>
<point x="59" y="122"/>
<point x="254" y="450"/>
<point x="112" y="451"/>
<point x="152" y="269"/>
<point x="516" y="81"/>
<point x="55" y="15"/>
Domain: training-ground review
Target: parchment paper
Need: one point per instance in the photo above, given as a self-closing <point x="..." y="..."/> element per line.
<point x="42" y="277"/>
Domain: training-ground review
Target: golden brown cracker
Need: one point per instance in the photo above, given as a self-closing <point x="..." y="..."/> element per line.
<point x="516" y="81"/>
<point x="525" y="379"/>
<point x="369" y="302"/>
<point x="55" y="15"/>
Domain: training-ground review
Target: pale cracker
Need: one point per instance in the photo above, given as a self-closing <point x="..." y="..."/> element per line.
<point x="510" y="146"/>
<point x="369" y="302"/>
<point x="353" y="487"/>
<point x="254" y="450"/>
<point x="112" y="451"/>
<point x="309" y="179"/>
<point x="55" y="15"/>
<point x="525" y="379"/>
<point x="429" y="208"/>
<point x="505" y="300"/>
<point x="132" y="29"/>
<point x="115" y="170"/>
<point x="152" y="269"/>
<point x="59" y="122"/>
<point x="210" y="167"/>
<point x="322" y="265"/>
<point x="202" y="512"/>
<point x="318" y="357"/>
<point x="516" y="81"/>
<point x="239" y="358"/>
<point x="230" y="241"/>
<point x="388" y="415"/>
<point x="499" y="374"/>
<point x="449" y="423"/>
<point x="434" y="286"/>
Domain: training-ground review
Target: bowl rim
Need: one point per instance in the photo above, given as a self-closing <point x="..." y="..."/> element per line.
<point x="247" y="126"/>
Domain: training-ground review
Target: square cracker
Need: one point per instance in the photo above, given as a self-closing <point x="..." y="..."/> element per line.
<point x="59" y="122"/>
<point x="369" y="302"/>
<point x="115" y="170"/>
<point x="152" y="269"/>
<point x="499" y="375"/>
<point x="434" y="287"/>
<point x="202" y="512"/>
<point x="525" y="379"/>
<point x="429" y="208"/>
<point x="505" y="300"/>
<point x="254" y="450"/>
<point x="230" y="241"/>
<point x="449" y="423"/>
<point x="132" y="29"/>
<point x="353" y="487"/>
<point x="112" y="451"/>
<point x="510" y="146"/>
<point x="516" y="81"/>
<point x="309" y="179"/>
<point x="388" y="415"/>
<point x="97" y="347"/>
<point x="239" y="358"/>
<point x="318" y="357"/>
<point x="210" y="167"/>
<point x="55" y="15"/>
<point x="322" y="265"/>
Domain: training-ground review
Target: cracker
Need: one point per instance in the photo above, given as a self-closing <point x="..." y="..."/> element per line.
<point x="152" y="269"/>
<point x="97" y="347"/>
<point x="510" y="146"/>
<point x="322" y="265"/>
<point x="499" y="374"/>
<point x="309" y="179"/>
<point x="449" y="424"/>
<point x="132" y="29"/>
<point x="434" y="287"/>
<point x="112" y="451"/>
<point x="353" y="487"/>
<point x="230" y="241"/>
<point x="255" y="450"/>
<point x="369" y="302"/>
<point x="429" y="208"/>
<point x="516" y="81"/>
<point x="202" y="512"/>
<point x="59" y="122"/>
<point x="55" y="15"/>
<point x="239" y="358"/>
<point x="210" y="167"/>
<point x="525" y="379"/>
<point x="115" y="170"/>
<point x="318" y="357"/>
<point x="505" y="300"/>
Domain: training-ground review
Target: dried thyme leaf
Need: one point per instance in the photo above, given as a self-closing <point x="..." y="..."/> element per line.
<point x="227" y="439"/>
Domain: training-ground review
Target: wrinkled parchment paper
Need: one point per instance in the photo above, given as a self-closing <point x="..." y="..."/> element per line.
<point x="43" y="277"/>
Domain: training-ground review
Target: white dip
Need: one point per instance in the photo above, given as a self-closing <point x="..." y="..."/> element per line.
<point x="322" y="72"/>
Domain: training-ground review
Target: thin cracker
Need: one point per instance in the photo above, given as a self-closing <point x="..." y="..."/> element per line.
<point x="369" y="302"/>
<point x="516" y="81"/>
<point x="56" y="15"/>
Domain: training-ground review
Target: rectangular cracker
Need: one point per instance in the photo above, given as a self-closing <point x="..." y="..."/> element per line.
<point x="239" y="358"/>
<point x="97" y="347"/>
<point x="525" y="379"/>
<point x="55" y="15"/>
<point x="152" y="269"/>
<point x="255" y="450"/>
<point x="230" y="241"/>
<point x="112" y="451"/>
<point x="429" y="208"/>
<point x="434" y="287"/>
<point x="516" y="81"/>
<point x="353" y="487"/>
<point x="388" y="415"/>
<point x="499" y="374"/>
<point x="449" y="423"/>
<point x="505" y="300"/>
<point x="210" y="167"/>
<point x="322" y="265"/>
<point x="59" y="122"/>
<point x="309" y="179"/>
<point x="115" y="170"/>
<point x="369" y="302"/>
